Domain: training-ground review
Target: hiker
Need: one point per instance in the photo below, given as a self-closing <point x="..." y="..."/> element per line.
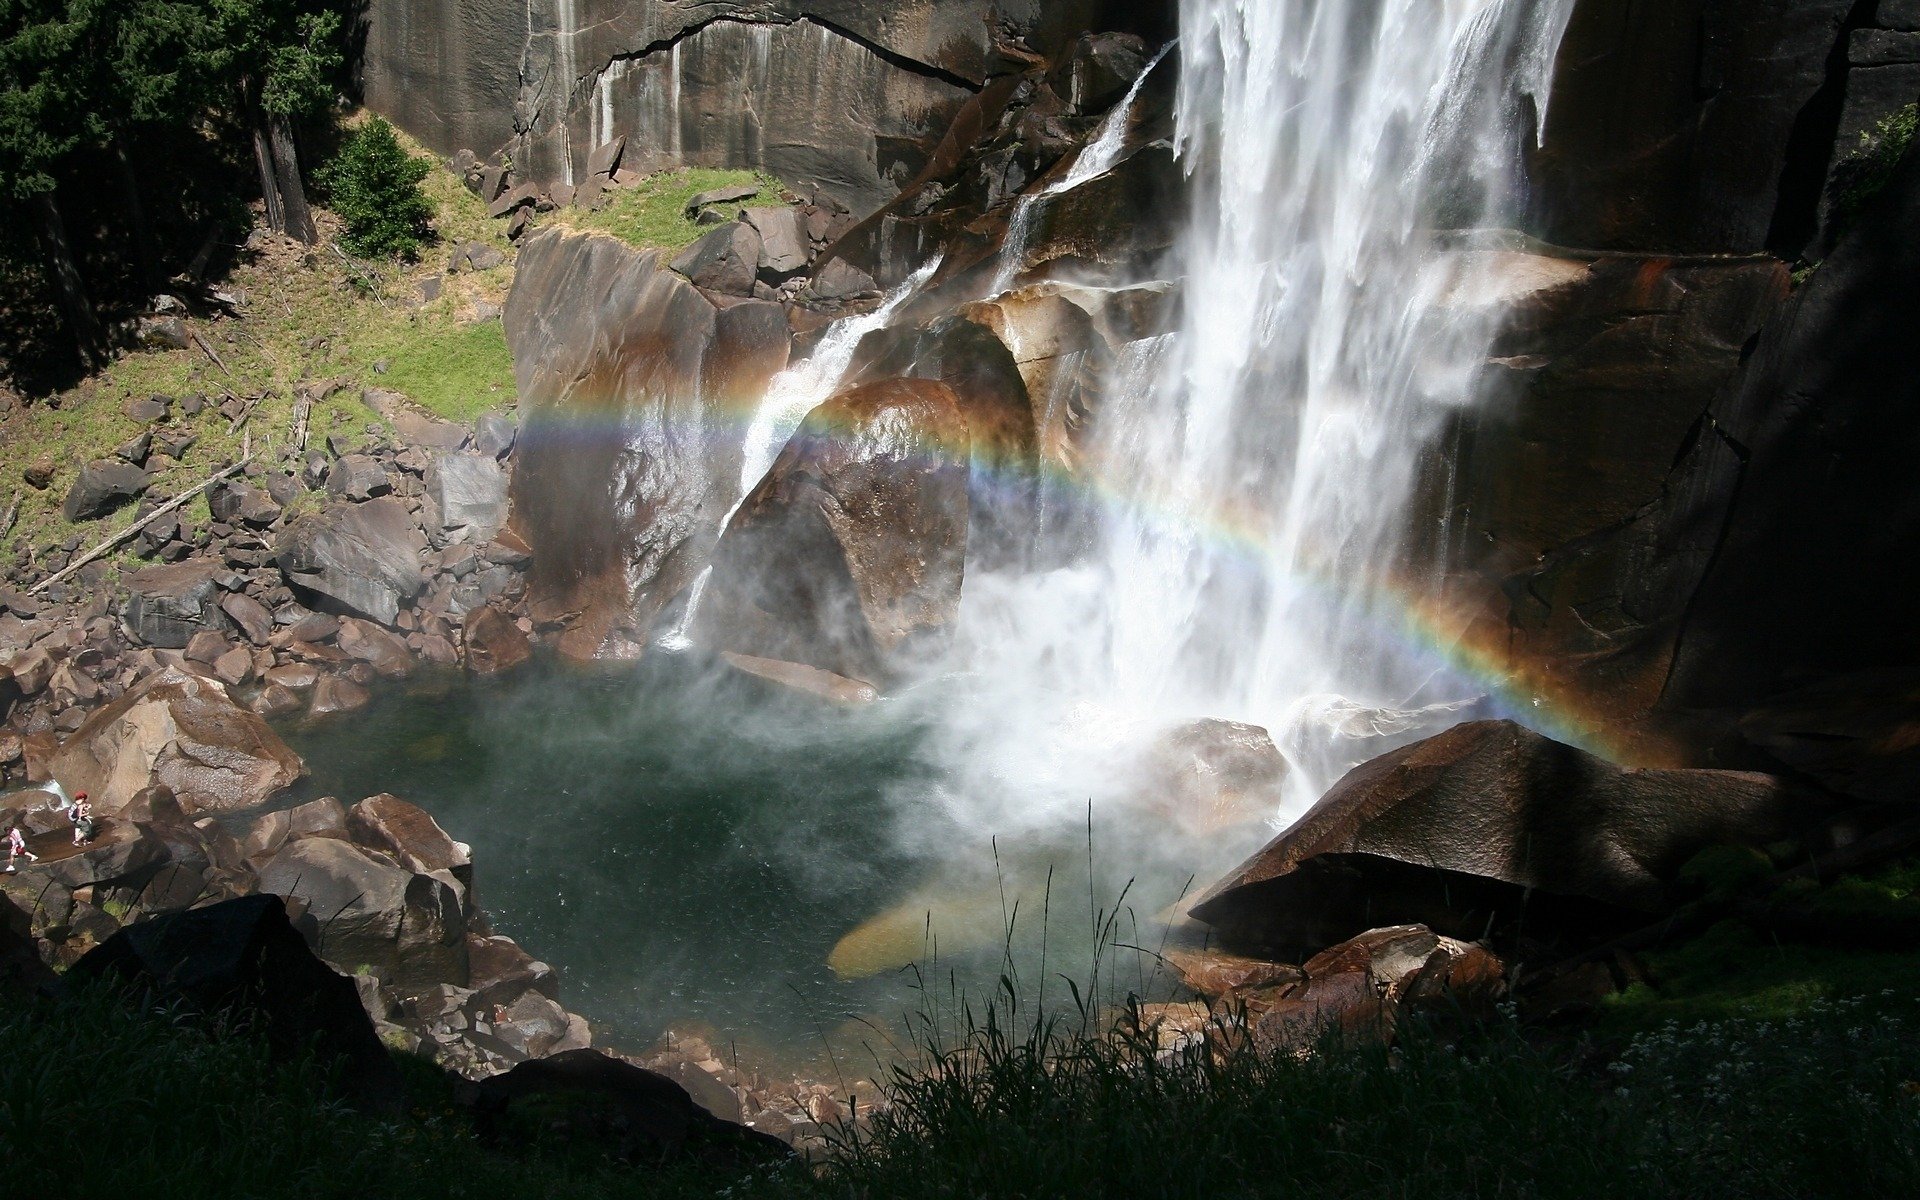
<point x="17" y="846"/>
<point x="84" y="829"/>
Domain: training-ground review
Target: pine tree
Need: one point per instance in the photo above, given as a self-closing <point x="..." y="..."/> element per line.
<point x="374" y="185"/>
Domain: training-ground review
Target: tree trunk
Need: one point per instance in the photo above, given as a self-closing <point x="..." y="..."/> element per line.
<point x="293" y="193"/>
<point x="269" y="188"/>
<point x="68" y="287"/>
<point x="145" y="249"/>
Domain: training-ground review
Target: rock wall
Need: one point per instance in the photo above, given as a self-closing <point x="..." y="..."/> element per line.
<point x="835" y="95"/>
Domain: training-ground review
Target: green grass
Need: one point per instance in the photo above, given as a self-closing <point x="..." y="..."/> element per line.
<point x="458" y="371"/>
<point x="653" y="212"/>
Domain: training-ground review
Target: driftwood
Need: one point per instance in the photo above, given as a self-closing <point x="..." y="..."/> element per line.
<point x="206" y="347"/>
<point x="134" y="529"/>
<point x="12" y="515"/>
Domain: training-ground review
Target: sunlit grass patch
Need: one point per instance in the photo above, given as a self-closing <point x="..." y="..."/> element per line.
<point x="652" y="213"/>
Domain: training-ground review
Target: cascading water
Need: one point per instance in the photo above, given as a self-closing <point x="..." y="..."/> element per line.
<point x="1253" y="474"/>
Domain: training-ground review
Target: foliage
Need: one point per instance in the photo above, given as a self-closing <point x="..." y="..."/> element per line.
<point x="374" y="185"/>
<point x="1866" y="172"/>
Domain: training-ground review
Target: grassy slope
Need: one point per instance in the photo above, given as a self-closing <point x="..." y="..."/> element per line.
<point x="309" y="315"/>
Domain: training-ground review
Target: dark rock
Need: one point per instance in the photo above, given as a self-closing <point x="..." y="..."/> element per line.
<point x="174" y="443"/>
<point x="39" y="473"/>
<point x="724" y="261"/>
<point x="783" y="239"/>
<point x="365" y="913"/>
<point x="1467" y="829"/>
<point x="841" y="280"/>
<point x="640" y="1117"/>
<point x="146" y="409"/>
<point x="249" y="615"/>
<point x="376" y="647"/>
<point x="358" y="477"/>
<point x="494" y="643"/>
<point x="238" y="502"/>
<point x="161" y="333"/>
<point x="717" y="196"/>
<point x="182" y="732"/>
<point x="849" y="555"/>
<point x="605" y="159"/>
<point x="364" y="556"/>
<point x="101" y="487"/>
<point x="493" y="435"/>
<point x="244" y="958"/>
<point x="467" y="496"/>
<point x="483" y="257"/>
<point x="135" y="449"/>
<point x="1099" y="70"/>
<point x="514" y="200"/>
<point x="168" y="605"/>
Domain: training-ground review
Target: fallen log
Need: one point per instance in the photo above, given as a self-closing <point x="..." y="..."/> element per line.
<point x="134" y="529"/>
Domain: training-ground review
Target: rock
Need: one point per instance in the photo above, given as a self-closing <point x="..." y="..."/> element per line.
<point x="513" y="200"/>
<point x="365" y="556"/>
<point x="629" y="441"/>
<point x="783" y="239"/>
<point x="811" y="681"/>
<point x="716" y="196"/>
<point x="412" y="425"/>
<point x="373" y="645"/>
<point x="335" y="694"/>
<point x="605" y="159"/>
<point x="161" y="333"/>
<point x="244" y="958"/>
<point x="146" y="409"/>
<point x="841" y="280"/>
<point x="1099" y="70"/>
<point x="101" y="487"/>
<point x="483" y="257"/>
<point x="1215" y="973"/>
<point x="500" y="970"/>
<point x="724" y="261"/>
<point x="493" y="435"/>
<point x="275" y="702"/>
<point x="31" y="671"/>
<point x="848" y="556"/>
<point x="640" y="1117"/>
<point x="237" y="502"/>
<point x="467" y="494"/>
<point x="182" y="732"/>
<point x="1212" y="775"/>
<point x="1411" y="963"/>
<point x="410" y="836"/>
<point x="39" y="473"/>
<point x="249" y="615"/>
<point x="234" y="668"/>
<point x="168" y="605"/>
<point x="494" y="643"/>
<point x="534" y="1025"/>
<point x="358" y="477"/>
<point x="296" y="677"/>
<point x="366" y="914"/>
<point x="1461" y="830"/>
<point x="135" y="449"/>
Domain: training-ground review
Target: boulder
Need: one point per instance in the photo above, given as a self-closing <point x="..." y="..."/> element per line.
<point x="725" y="261"/>
<point x="467" y="494"/>
<point x="716" y="196"/>
<point x="841" y="280"/>
<point x="101" y="487"/>
<point x="358" y="477"/>
<point x="238" y="502"/>
<point x="243" y="958"/>
<point x="409" y="835"/>
<point x="605" y="159"/>
<point x="638" y="1116"/>
<point x="183" y="732"/>
<point x="368" y="915"/>
<point x="168" y="605"/>
<point x="249" y="616"/>
<point x="494" y="643"/>
<point x="1210" y="775"/>
<point x="337" y="694"/>
<point x="146" y="409"/>
<point x="378" y="648"/>
<point x="849" y="555"/>
<point x="363" y="556"/>
<point x="1467" y="829"/>
<point x="493" y="435"/>
<point x="783" y="239"/>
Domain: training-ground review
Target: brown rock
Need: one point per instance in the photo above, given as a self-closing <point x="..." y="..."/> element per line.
<point x="407" y="833"/>
<point x="494" y="642"/>
<point x="376" y="647"/>
<point x="1211" y="775"/>
<point x="1215" y="973"/>
<point x="185" y="733"/>
<point x="250" y="615"/>
<point x="206" y="647"/>
<point x="336" y="695"/>
<point x="234" y="668"/>
<point x="295" y="677"/>
<point x="274" y="702"/>
<point x="1457" y="831"/>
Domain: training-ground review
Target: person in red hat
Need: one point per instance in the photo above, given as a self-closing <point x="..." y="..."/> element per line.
<point x="81" y="814"/>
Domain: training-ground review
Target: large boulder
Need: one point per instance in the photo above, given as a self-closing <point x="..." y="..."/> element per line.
<point x="363" y="556"/>
<point x="243" y="958"/>
<point x="1482" y="824"/>
<point x="849" y="556"/>
<point x="467" y="494"/>
<point x="630" y="445"/>
<point x="101" y="487"/>
<point x="182" y="731"/>
<point x="168" y="604"/>
<point x="367" y="914"/>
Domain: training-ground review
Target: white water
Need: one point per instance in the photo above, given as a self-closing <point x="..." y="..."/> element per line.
<point x="791" y="395"/>
<point x="1253" y="471"/>
<point x="1100" y="155"/>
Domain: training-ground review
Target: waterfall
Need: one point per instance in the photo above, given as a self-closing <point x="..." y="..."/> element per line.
<point x="1100" y="155"/>
<point x="1253" y="486"/>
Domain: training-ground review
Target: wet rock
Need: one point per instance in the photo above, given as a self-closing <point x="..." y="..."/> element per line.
<point x="1215" y="973"/>
<point x="168" y="605"/>
<point x="409" y="835"/>
<point x="494" y="643"/>
<point x="407" y="928"/>
<point x="500" y="970"/>
<point x="182" y="732"/>
<point x="244" y="958"/>
<point x="101" y="487"/>
<point x="1212" y="775"/>
<point x="1458" y="831"/>
<point x="375" y="646"/>
<point x="848" y="556"/>
<point x="336" y="694"/>
<point x="467" y="495"/>
<point x="364" y="556"/>
<point x="493" y="435"/>
<point x="724" y="261"/>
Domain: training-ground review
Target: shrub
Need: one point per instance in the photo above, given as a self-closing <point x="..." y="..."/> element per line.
<point x="1865" y="173"/>
<point x="374" y="185"/>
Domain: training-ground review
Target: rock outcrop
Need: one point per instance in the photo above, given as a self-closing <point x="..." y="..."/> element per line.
<point x="1481" y="825"/>
<point x="849" y="556"/>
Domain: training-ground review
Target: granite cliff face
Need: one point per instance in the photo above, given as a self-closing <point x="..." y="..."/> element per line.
<point x="836" y="96"/>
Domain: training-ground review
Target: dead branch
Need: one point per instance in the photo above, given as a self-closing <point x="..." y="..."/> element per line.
<point x="133" y="530"/>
